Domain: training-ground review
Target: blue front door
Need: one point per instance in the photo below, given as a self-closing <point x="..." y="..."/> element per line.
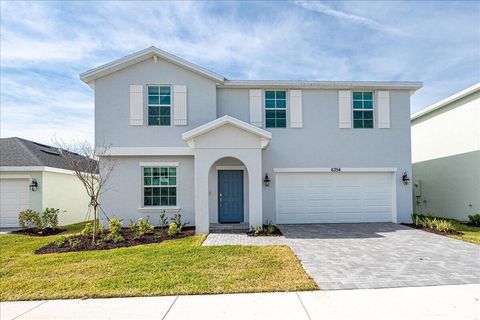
<point x="230" y="196"/>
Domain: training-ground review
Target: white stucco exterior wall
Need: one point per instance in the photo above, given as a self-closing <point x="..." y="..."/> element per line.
<point x="67" y="193"/>
<point x="124" y="197"/>
<point x="454" y="129"/>
<point x="55" y="190"/>
<point x="446" y="159"/>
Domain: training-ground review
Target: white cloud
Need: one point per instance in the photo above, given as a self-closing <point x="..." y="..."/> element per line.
<point x="45" y="45"/>
<point x="323" y="8"/>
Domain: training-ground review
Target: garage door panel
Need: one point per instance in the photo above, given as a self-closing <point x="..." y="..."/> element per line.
<point x="14" y="197"/>
<point x="334" y="197"/>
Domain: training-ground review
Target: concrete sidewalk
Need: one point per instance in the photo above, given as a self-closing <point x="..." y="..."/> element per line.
<point x="440" y="302"/>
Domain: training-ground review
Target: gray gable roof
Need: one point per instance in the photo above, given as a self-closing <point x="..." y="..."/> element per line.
<point x="22" y="153"/>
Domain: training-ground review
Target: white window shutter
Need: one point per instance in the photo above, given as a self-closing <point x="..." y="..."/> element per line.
<point x="180" y="105"/>
<point x="296" y="117"/>
<point x="136" y="105"/>
<point x="383" y="109"/>
<point x="344" y="109"/>
<point x="256" y="107"/>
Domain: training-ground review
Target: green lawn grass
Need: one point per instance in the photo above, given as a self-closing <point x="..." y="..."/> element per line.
<point x="470" y="234"/>
<point x="172" y="267"/>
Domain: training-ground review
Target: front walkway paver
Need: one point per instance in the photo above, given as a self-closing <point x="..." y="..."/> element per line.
<point x="373" y="255"/>
<point x="239" y="239"/>
<point x="420" y="303"/>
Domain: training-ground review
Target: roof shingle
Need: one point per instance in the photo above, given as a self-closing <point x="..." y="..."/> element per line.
<point x="22" y="153"/>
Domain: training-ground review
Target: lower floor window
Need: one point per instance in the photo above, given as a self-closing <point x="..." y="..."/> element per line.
<point x="159" y="186"/>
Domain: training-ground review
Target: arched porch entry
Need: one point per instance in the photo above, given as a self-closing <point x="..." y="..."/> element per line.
<point x="228" y="191"/>
<point x="227" y="140"/>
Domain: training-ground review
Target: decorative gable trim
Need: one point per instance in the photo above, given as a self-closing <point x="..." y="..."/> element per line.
<point x="151" y="52"/>
<point x="265" y="135"/>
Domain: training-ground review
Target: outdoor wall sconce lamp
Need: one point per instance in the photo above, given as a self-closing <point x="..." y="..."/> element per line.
<point x="33" y="185"/>
<point x="266" y="181"/>
<point x="405" y="178"/>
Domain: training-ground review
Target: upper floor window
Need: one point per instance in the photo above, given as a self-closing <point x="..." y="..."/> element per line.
<point x="159" y="186"/>
<point x="363" y="109"/>
<point x="159" y="105"/>
<point x="275" y="109"/>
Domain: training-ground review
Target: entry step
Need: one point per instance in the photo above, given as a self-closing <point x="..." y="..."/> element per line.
<point x="229" y="227"/>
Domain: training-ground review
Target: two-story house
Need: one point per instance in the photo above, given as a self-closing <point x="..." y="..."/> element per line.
<point x="446" y="156"/>
<point x="246" y="151"/>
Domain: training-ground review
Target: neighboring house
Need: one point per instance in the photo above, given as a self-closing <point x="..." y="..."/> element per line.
<point x="188" y="139"/>
<point x="36" y="176"/>
<point x="446" y="156"/>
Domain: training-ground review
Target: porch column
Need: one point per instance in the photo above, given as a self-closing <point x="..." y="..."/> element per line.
<point x="255" y="188"/>
<point x="201" y="196"/>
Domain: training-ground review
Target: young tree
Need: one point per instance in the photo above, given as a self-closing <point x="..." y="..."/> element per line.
<point x="92" y="167"/>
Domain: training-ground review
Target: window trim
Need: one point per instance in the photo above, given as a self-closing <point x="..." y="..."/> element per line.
<point x="363" y="110"/>
<point x="159" y="105"/>
<point x="142" y="189"/>
<point x="287" y="107"/>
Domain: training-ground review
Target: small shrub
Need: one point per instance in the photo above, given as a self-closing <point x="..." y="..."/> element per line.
<point x="416" y="218"/>
<point x="257" y="231"/>
<point x="87" y="230"/>
<point x="115" y="238"/>
<point x="101" y="230"/>
<point x="428" y="221"/>
<point x="115" y="226"/>
<point x="61" y="242"/>
<point x="132" y="226"/>
<point x="144" y="226"/>
<point x="163" y="222"/>
<point x="177" y="219"/>
<point x="29" y="219"/>
<point x="174" y="229"/>
<point x="443" y="225"/>
<point x="73" y="242"/>
<point x="474" y="219"/>
<point x="270" y="227"/>
<point x="50" y="218"/>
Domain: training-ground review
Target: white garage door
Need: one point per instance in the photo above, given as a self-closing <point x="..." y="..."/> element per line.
<point x="14" y="197"/>
<point x="334" y="197"/>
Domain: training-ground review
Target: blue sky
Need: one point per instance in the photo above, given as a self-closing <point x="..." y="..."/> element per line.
<point x="45" y="45"/>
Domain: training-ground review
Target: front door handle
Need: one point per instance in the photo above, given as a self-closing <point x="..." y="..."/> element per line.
<point x="220" y="199"/>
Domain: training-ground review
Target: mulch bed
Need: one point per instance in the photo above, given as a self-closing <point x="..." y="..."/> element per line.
<point x="84" y="243"/>
<point x="446" y="233"/>
<point x="264" y="233"/>
<point x="472" y="224"/>
<point x="39" y="233"/>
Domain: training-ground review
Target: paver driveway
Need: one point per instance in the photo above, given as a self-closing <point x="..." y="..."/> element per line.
<point x="372" y="255"/>
<point x="380" y="255"/>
